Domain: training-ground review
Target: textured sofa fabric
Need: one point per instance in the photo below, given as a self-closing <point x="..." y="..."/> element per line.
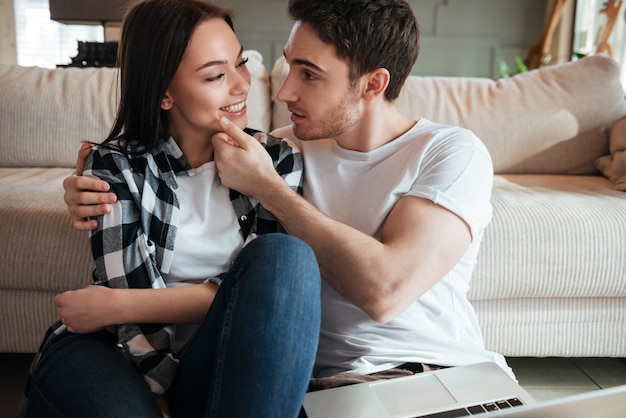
<point x="551" y="275"/>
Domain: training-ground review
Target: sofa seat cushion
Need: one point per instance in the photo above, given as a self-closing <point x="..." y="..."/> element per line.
<point x="554" y="326"/>
<point x="25" y="315"/>
<point x="47" y="254"/>
<point x="553" y="236"/>
<point x="42" y="257"/>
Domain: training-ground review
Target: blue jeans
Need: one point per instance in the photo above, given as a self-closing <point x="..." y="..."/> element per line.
<point x="252" y="356"/>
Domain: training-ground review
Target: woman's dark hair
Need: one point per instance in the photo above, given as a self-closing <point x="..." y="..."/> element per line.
<point x="155" y="35"/>
<point x="368" y="34"/>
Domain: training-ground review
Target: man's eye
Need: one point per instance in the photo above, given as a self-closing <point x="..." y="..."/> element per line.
<point x="308" y="76"/>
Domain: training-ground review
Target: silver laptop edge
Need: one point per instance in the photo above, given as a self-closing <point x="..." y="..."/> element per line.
<point x="455" y="388"/>
<point x="416" y="395"/>
<point x="601" y="403"/>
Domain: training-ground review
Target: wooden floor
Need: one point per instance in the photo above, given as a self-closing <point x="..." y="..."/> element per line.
<point x="549" y="378"/>
<point x="543" y="378"/>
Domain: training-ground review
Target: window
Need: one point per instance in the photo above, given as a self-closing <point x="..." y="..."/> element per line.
<point x="45" y="43"/>
<point x="589" y="24"/>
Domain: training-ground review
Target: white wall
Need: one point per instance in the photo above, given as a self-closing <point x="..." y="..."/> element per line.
<point x="459" y="37"/>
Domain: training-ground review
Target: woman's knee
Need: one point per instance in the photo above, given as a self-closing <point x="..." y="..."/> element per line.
<point x="280" y="263"/>
<point x="283" y="252"/>
<point x="277" y="243"/>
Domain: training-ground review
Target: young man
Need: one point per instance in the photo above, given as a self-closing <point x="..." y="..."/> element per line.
<point x="394" y="208"/>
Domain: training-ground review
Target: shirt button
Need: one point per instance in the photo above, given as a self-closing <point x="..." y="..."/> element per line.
<point x="243" y="218"/>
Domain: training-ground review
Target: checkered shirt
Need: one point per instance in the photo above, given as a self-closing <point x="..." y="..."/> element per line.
<point x="134" y="250"/>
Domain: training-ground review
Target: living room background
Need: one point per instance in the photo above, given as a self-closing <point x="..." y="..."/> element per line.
<point x="459" y="37"/>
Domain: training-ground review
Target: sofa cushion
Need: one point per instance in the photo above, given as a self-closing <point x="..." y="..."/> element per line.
<point x="47" y="255"/>
<point x="47" y="113"/>
<point x="35" y="129"/>
<point x="554" y="326"/>
<point x="551" y="120"/>
<point x="42" y="255"/>
<point x="553" y="236"/>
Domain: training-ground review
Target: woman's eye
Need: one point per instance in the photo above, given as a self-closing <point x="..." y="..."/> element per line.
<point x="242" y="63"/>
<point x="217" y="77"/>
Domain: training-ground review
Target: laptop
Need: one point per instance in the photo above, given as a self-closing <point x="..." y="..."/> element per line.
<point x="475" y="389"/>
<point x="605" y="403"/>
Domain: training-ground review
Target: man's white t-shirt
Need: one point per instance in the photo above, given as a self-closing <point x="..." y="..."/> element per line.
<point x="447" y="165"/>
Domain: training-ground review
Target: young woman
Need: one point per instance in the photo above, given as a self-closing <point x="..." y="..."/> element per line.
<point x="179" y="249"/>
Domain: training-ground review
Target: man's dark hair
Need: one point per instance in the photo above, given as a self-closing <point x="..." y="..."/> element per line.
<point x="368" y="34"/>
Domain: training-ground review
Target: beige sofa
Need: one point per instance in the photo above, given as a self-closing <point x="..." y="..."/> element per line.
<point x="551" y="276"/>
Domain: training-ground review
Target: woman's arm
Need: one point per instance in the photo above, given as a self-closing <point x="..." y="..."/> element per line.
<point x="95" y="307"/>
<point x="132" y="248"/>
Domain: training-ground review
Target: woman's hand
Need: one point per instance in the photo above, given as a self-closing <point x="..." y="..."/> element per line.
<point x="86" y="310"/>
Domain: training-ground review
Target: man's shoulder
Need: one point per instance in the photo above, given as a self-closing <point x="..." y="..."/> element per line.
<point x="431" y="127"/>
<point x="449" y="137"/>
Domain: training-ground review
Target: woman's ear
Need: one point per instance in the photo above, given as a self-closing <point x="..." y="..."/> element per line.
<point x="377" y="82"/>
<point x="167" y="102"/>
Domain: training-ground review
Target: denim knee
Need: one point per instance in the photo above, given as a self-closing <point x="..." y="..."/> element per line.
<point x="284" y="253"/>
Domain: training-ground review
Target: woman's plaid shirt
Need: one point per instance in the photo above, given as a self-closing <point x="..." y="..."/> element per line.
<point x="133" y="248"/>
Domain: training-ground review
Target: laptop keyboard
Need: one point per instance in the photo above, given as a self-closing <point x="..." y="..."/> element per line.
<point x="476" y="409"/>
